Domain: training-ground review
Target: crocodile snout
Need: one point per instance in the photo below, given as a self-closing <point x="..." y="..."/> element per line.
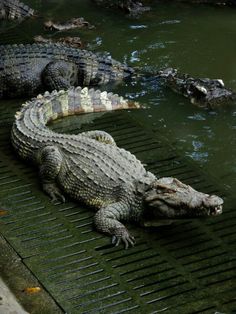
<point x="215" y="204"/>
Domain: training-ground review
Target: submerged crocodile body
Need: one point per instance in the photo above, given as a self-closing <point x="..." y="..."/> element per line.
<point x="26" y="70"/>
<point x="213" y="2"/>
<point x="14" y="10"/>
<point x="132" y="7"/>
<point x="90" y="168"/>
<point x="136" y="7"/>
<point x="201" y="91"/>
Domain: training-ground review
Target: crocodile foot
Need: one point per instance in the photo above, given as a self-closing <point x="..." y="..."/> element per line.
<point x="54" y="193"/>
<point x="123" y="235"/>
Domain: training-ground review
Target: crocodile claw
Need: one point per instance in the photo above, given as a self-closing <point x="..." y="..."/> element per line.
<point x="55" y="197"/>
<point x="126" y="238"/>
<point x="54" y="193"/>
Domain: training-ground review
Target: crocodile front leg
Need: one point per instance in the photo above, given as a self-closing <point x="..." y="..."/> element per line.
<point x="100" y="136"/>
<point x="60" y="75"/>
<point x="107" y="220"/>
<point x="50" y="160"/>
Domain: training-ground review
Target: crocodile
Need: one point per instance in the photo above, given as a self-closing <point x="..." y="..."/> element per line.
<point x="26" y="70"/>
<point x="90" y="168"/>
<point x="203" y="92"/>
<point x="77" y="22"/>
<point x="14" y="10"/>
<point x="74" y="41"/>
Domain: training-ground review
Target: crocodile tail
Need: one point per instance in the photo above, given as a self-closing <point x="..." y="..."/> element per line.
<point x="29" y="130"/>
<point x="74" y="101"/>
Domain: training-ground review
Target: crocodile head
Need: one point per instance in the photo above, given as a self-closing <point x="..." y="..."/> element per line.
<point x="200" y="91"/>
<point x="170" y="199"/>
<point x="209" y="92"/>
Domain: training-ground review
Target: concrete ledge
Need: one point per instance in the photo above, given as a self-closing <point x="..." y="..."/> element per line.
<point x="16" y="278"/>
<point x="8" y="302"/>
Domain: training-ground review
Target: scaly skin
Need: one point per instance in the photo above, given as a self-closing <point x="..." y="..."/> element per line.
<point x="89" y="167"/>
<point x="14" y="10"/>
<point x="74" y="42"/>
<point x="203" y="92"/>
<point x="26" y="70"/>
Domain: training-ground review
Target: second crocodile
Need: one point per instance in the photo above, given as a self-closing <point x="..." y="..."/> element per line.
<point x="27" y="70"/>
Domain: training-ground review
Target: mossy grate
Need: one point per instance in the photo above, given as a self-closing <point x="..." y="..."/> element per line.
<point x="188" y="267"/>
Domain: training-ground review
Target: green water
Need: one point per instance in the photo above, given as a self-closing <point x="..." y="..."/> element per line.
<point x="199" y="40"/>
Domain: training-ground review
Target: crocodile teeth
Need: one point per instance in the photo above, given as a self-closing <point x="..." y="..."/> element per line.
<point x="221" y="82"/>
<point x="201" y="89"/>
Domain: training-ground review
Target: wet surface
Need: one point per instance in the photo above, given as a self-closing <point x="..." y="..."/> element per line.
<point x="8" y="302"/>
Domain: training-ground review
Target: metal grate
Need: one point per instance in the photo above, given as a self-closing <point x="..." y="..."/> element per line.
<point x="188" y="267"/>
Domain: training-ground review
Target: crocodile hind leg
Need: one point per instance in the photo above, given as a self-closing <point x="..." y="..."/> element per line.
<point x="60" y="75"/>
<point x="50" y="160"/>
<point x="100" y="136"/>
<point x="107" y="220"/>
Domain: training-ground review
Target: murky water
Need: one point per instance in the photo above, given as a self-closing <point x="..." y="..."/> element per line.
<point x="199" y="40"/>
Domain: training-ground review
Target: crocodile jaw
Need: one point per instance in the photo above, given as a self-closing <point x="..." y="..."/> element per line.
<point x="169" y="200"/>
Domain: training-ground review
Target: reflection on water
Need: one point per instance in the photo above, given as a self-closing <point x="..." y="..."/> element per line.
<point x="196" y="39"/>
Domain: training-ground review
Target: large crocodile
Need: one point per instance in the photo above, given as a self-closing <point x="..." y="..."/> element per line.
<point x="201" y="91"/>
<point x="89" y="167"/>
<point x="14" y="10"/>
<point x="27" y="70"/>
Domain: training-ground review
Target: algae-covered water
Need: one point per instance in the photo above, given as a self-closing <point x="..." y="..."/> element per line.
<point x="196" y="39"/>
